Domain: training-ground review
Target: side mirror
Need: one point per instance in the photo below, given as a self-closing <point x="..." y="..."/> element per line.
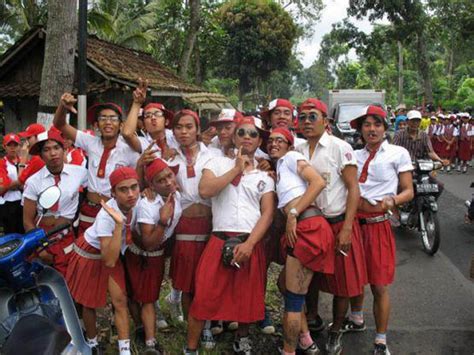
<point x="48" y="197"/>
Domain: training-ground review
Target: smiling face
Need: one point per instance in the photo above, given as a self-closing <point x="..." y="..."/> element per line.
<point x="52" y="154"/>
<point x="373" y="130"/>
<point x="126" y="193"/>
<point x="164" y="183"/>
<point x="186" y="131"/>
<point x="277" y="145"/>
<point x="247" y="137"/>
<point x="281" y="116"/>
<point x="108" y="123"/>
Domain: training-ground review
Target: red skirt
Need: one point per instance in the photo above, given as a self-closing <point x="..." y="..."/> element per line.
<point x="350" y="274"/>
<point x="88" y="279"/>
<point x="228" y="293"/>
<point x="60" y="250"/>
<point x="379" y="249"/>
<point x="464" y="151"/>
<point x="90" y="211"/>
<point x="186" y="254"/>
<point x="145" y="276"/>
<point x="315" y="246"/>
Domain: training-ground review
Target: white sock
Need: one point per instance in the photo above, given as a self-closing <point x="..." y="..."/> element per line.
<point x="150" y="342"/>
<point x="124" y="347"/>
<point x="92" y="342"/>
<point x="207" y="324"/>
<point x="175" y="296"/>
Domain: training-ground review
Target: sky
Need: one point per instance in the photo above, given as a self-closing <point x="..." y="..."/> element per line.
<point x="334" y="11"/>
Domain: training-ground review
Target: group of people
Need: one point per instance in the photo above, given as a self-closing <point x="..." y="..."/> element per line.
<point x="221" y="205"/>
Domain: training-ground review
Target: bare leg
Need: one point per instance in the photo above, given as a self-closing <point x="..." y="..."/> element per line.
<point x="119" y="301"/>
<point x="339" y="310"/>
<point x="89" y="318"/>
<point x="148" y="316"/>
<point x="381" y="307"/>
<point x="357" y="303"/>
<point x="186" y="299"/>
<point x="312" y="299"/>
<point x="195" y="327"/>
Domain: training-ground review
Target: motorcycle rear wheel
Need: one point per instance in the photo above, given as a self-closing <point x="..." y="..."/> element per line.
<point x="431" y="238"/>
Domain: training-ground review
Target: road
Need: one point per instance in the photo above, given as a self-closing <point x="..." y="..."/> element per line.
<point x="432" y="297"/>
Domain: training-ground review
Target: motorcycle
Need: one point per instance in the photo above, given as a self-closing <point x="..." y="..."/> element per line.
<point x="469" y="216"/>
<point x="421" y="212"/>
<point x="37" y="313"/>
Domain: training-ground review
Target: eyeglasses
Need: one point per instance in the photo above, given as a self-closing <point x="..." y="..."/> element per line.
<point x="276" y="140"/>
<point x="156" y="114"/>
<point x="312" y="117"/>
<point x="252" y="133"/>
<point x="113" y="118"/>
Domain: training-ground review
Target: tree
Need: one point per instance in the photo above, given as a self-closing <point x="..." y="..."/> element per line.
<point x="57" y="75"/>
<point x="260" y="38"/>
<point x="191" y="35"/>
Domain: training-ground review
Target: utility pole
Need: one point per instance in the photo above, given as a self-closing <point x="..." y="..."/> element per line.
<point x="82" y="66"/>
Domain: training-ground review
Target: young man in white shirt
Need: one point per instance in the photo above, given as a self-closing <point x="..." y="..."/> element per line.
<point x="95" y="267"/>
<point x="385" y="180"/>
<point x="69" y="178"/>
<point x="242" y="207"/>
<point x="105" y="153"/>
<point x="334" y="160"/>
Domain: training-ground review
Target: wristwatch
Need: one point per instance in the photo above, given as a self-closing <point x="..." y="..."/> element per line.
<point x="294" y="212"/>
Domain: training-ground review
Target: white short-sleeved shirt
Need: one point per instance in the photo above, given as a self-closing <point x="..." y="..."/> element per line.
<point x="71" y="179"/>
<point x="237" y="208"/>
<point x="329" y="158"/>
<point x="149" y="213"/>
<point x="289" y="184"/>
<point x="382" y="179"/>
<point x="11" y="195"/>
<point x="190" y="186"/>
<point x="217" y="145"/>
<point x="104" y="226"/>
<point x="121" y="155"/>
<point x="146" y="140"/>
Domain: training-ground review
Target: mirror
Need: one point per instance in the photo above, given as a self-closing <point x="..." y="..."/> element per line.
<point x="47" y="198"/>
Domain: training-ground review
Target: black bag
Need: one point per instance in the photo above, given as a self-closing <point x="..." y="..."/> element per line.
<point x="228" y="250"/>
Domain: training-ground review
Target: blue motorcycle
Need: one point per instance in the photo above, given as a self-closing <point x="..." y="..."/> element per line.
<point x="37" y="313"/>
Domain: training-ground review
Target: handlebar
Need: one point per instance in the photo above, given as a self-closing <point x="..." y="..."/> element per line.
<point x="58" y="229"/>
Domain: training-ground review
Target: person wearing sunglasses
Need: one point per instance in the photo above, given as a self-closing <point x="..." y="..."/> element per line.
<point x="335" y="161"/>
<point x="308" y="241"/>
<point x="242" y="210"/>
<point x="105" y="153"/>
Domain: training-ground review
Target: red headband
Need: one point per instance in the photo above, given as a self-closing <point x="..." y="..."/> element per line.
<point x="154" y="168"/>
<point x="121" y="174"/>
<point x="191" y="113"/>
<point x="285" y="133"/>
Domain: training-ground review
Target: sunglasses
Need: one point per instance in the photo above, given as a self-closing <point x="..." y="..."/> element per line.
<point x="312" y="117"/>
<point x="252" y="133"/>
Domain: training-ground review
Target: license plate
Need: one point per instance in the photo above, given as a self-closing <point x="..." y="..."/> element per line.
<point x="427" y="188"/>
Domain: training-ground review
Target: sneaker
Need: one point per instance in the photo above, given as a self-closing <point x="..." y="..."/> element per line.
<point x="243" y="346"/>
<point x="207" y="340"/>
<point x="186" y="351"/>
<point x="232" y="326"/>
<point x="310" y="350"/>
<point x="139" y="335"/>
<point x="458" y="169"/>
<point x="350" y="326"/>
<point x="96" y="349"/>
<point x="161" y="322"/>
<point x="266" y="325"/>
<point x="334" y="344"/>
<point x="217" y="327"/>
<point x="448" y="169"/>
<point x="175" y="309"/>
<point x="316" y="325"/>
<point x="153" y="350"/>
<point x="464" y="169"/>
<point x="381" y="349"/>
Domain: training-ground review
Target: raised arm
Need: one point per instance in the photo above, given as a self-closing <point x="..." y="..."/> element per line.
<point x="66" y="104"/>
<point x="130" y="126"/>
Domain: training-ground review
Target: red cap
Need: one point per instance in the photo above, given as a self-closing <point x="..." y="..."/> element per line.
<point x="314" y="104"/>
<point x="191" y="113"/>
<point x="32" y="130"/>
<point x="167" y="113"/>
<point x="285" y="133"/>
<point x="274" y="104"/>
<point x="91" y="112"/>
<point x="43" y="137"/>
<point x="371" y="111"/>
<point x="154" y="168"/>
<point x="10" y="137"/>
<point x="89" y="131"/>
<point x="121" y="174"/>
<point x="227" y="115"/>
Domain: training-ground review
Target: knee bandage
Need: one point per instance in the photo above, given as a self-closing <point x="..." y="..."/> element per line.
<point x="294" y="302"/>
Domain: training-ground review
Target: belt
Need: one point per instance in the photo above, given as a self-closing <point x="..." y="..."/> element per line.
<point x="86" y="254"/>
<point x="224" y="236"/>
<point x="86" y="219"/>
<point x="309" y="212"/>
<point x="69" y="248"/>
<point x="192" y="237"/>
<point x="336" y="219"/>
<point x="133" y="248"/>
<point x="376" y="219"/>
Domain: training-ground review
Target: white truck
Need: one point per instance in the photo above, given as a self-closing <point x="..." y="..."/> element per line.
<point x="345" y="105"/>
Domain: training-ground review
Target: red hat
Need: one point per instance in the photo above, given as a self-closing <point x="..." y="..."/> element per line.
<point x="154" y="168"/>
<point x="11" y="137"/>
<point x="89" y="131"/>
<point x="285" y="133"/>
<point x="227" y="115"/>
<point x="121" y="174"/>
<point x="274" y="104"/>
<point x="91" y="111"/>
<point x="43" y="137"/>
<point x="167" y="113"/>
<point x="186" y="112"/>
<point x="254" y="121"/>
<point x="32" y="130"/>
<point x="371" y="110"/>
<point x="314" y="104"/>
